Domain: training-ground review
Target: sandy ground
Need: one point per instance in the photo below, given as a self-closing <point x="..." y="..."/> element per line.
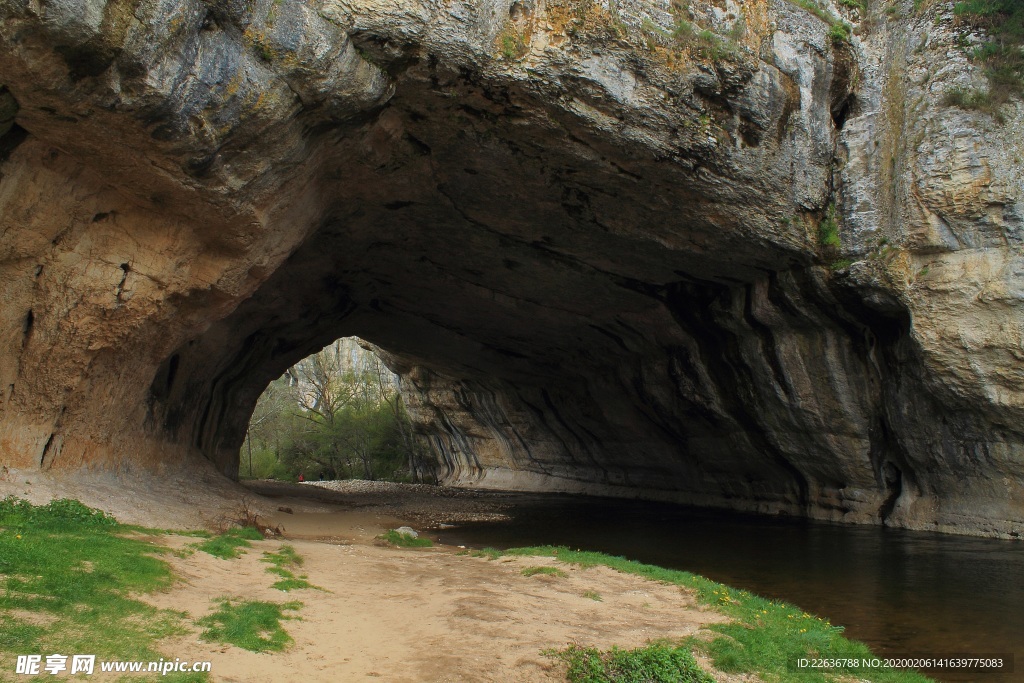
<point x="403" y="615"/>
<point x="408" y="615"/>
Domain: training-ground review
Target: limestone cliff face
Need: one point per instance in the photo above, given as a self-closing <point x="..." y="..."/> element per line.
<point x="591" y="242"/>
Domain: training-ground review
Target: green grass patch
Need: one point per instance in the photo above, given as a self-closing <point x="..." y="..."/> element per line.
<point x="404" y="540"/>
<point x="229" y="545"/>
<point x="593" y="595"/>
<point x="284" y="557"/>
<point x="282" y="562"/>
<point x="546" y="571"/>
<point x="764" y="637"/>
<point x="249" y="624"/>
<point x="72" y="568"/>
<point x="655" y="663"/>
<point x="489" y="553"/>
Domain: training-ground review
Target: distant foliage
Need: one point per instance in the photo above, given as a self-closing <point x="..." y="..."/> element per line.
<point x="337" y="414"/>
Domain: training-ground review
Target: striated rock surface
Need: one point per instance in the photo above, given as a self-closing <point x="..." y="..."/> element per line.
<point x="597" y="246"/>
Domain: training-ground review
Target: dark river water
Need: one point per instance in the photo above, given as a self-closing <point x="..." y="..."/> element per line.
<point x="901" y="592"/>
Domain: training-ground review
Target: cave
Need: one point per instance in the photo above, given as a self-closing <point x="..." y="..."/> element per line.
<point x="602" y="264"/>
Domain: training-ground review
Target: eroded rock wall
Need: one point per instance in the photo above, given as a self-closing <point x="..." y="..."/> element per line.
<point x="595" y="244"/>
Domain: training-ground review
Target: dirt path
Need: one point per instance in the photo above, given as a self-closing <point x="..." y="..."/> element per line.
<point x="414" y="615"/>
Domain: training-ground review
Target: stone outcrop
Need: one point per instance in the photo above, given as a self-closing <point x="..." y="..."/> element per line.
<point x="599" y="246"/>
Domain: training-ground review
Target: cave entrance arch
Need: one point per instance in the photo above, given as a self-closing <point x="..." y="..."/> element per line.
<point x="336" y="414"/>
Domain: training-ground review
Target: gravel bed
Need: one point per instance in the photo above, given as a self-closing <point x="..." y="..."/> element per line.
<point x="426" y="505"/>
<point x="364" y="486"/>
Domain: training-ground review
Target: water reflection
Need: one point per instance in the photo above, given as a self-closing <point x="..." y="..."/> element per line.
<point x="901" y="592"/>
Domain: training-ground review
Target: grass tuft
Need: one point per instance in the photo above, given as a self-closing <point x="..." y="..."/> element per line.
<point x="404" y="540"/>
<point x="249" y="624"/>
<point x="546" y="571"/>
<point x="593" y="595"/>
<point x="228" y="545"/>
<point x="657" y="662"/>
<point x="282" y="560"/>
<point x="971" y="99"/>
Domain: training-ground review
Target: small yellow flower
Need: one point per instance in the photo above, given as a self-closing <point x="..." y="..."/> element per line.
<point x="803" y="630"/>
<point x="18" y="536"/>
<point x="790" y="616"/>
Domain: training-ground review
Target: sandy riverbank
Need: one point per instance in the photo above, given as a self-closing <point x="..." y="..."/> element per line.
<point x="414" y="615"/>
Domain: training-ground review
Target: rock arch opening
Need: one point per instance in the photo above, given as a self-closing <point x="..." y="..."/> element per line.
<point x="336" y="414"/>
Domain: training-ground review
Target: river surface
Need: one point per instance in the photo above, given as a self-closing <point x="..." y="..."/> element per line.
<point x="901" y="592"/>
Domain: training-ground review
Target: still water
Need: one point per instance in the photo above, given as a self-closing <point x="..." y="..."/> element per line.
<point x="901" y="592"/>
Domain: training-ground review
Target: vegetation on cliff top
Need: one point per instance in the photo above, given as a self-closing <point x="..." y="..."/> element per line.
<point x="1002" y="56"/>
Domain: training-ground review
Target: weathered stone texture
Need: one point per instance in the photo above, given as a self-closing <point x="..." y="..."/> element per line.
<point x="595" y="258"/>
